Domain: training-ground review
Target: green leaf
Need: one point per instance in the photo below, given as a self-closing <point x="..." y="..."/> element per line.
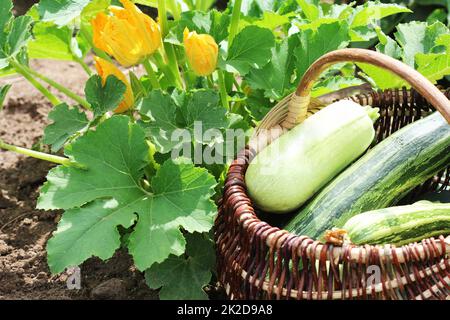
<point x="417" y="37"/>
<point x="435" y="66"/>
<point x="33" y="12"/>
<point x="3" y="92"/>
<point x="61" y="12"/>
<point x="382" y="78"/>
<point x="111" y="168"/>
<point x="335" y="83"/>
<point x="19" y="34"/>
<point x="388" y="45"/>
<point x="86" y="232"/>
<point x="372" y="11"/>
<point x="258" y="105"/>
<point x="66" y="122"/>
<point x="170" y="118"/>
<point x="183" y="278"/>
<point x="5" y="17"/>
<point x="181" y="198"/>
<point x="363" y="33"/>
<point x="93" y="8"/>
<point x="108" y="193"/>
<point x="214" y="23"/>
<point x="271" y="20"/>
<point x="104" y="98"/>
<point x="423" y="46"/>
<point x="251" y="49"/>
<point x="438" y="15"/>
<point x="50" y="42"/>
<point x="275" y="77"/>
<point x="310" y="10"/>
<point x="315" y="43"/>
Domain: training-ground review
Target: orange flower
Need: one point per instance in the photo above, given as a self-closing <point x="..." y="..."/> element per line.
<point x="127" y="34"/>
<point x="105" y="69"/>
<point x="201" y="52"/>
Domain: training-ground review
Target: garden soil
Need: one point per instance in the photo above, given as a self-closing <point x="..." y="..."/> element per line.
<point x="24" y="231"/>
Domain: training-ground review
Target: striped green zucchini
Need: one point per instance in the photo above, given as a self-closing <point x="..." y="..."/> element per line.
<point x="400" y="225"/>
<point x="380" y="178"/>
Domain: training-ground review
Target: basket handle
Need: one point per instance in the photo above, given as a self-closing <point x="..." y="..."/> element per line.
<point x="300" y="101"/>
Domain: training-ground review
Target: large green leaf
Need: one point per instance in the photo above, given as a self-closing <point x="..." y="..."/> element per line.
<point x="61" y="12"/>
<point x="183" y="278"/>
<point x="66" y="122"/>
<point x="171" y="118"/>
<point x="421" y="45"/>
<point x="272" y="20"/>
<point x="435" y="66"/>
<point x="51" y="42"/>
<point x="107" y="192"/>
<point x="181" y="195"/>
<point x="417" y="37"/>
<point x="251" y="49"/>
<point x="310" y="10"/>
<point x="315" y="43"/>
<point x="275" y="77"/>
<point x="373" y="11"/>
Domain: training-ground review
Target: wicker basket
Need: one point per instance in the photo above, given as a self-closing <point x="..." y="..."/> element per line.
<point x="258" y="261"/>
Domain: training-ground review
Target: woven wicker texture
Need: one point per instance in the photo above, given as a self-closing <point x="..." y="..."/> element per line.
<point x="258" y="261"/>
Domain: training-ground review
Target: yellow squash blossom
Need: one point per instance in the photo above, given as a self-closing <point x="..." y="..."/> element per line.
<point x="105" y="69"/>
<point x="201" y="52"/>
<point x="127" y="34"/>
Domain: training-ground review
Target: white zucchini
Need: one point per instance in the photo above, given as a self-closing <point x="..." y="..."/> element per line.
<point x="285" y="174"/>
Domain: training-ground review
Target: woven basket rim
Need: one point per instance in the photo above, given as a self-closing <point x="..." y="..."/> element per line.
<point x="277" y="238"/>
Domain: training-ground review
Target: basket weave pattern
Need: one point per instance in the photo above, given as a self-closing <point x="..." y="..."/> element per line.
<point x="258" y="261"/>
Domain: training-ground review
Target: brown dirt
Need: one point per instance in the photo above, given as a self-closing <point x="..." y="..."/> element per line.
<point x="23" y="229"/>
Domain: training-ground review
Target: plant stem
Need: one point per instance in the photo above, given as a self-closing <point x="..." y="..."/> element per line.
<point x="162" y="17"/>
<point x="54" y="84"/>
<point x="162" y="65"/>
<point x="198" y="4"/>
<point x="236" y="84"/>
<point x="173" y="5"/>
<point x="151" y="74"/>
<point x="21" y="70"/>
<point x="38" y="155"/>
<point x="223" y="90"/>
<point x="62" y="89"/>
<point x="205" y="6"/>
<point x="235" y="17"/>
<point x="210" y="81"/>
<point x="173" y="64"/>
<point x="83" y="65"/>
<point x="169" y="49"/>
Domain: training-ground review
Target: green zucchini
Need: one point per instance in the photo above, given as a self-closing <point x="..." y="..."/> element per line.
<point x="291" y="169"/>
<point x="400" y="225"/>
<point x="380" y="178"/>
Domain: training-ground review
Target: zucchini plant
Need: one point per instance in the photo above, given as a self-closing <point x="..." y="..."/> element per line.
<point x="141" y="156"/>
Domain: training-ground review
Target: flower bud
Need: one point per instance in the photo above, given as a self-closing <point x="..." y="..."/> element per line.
<point x="201" y="52"/>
